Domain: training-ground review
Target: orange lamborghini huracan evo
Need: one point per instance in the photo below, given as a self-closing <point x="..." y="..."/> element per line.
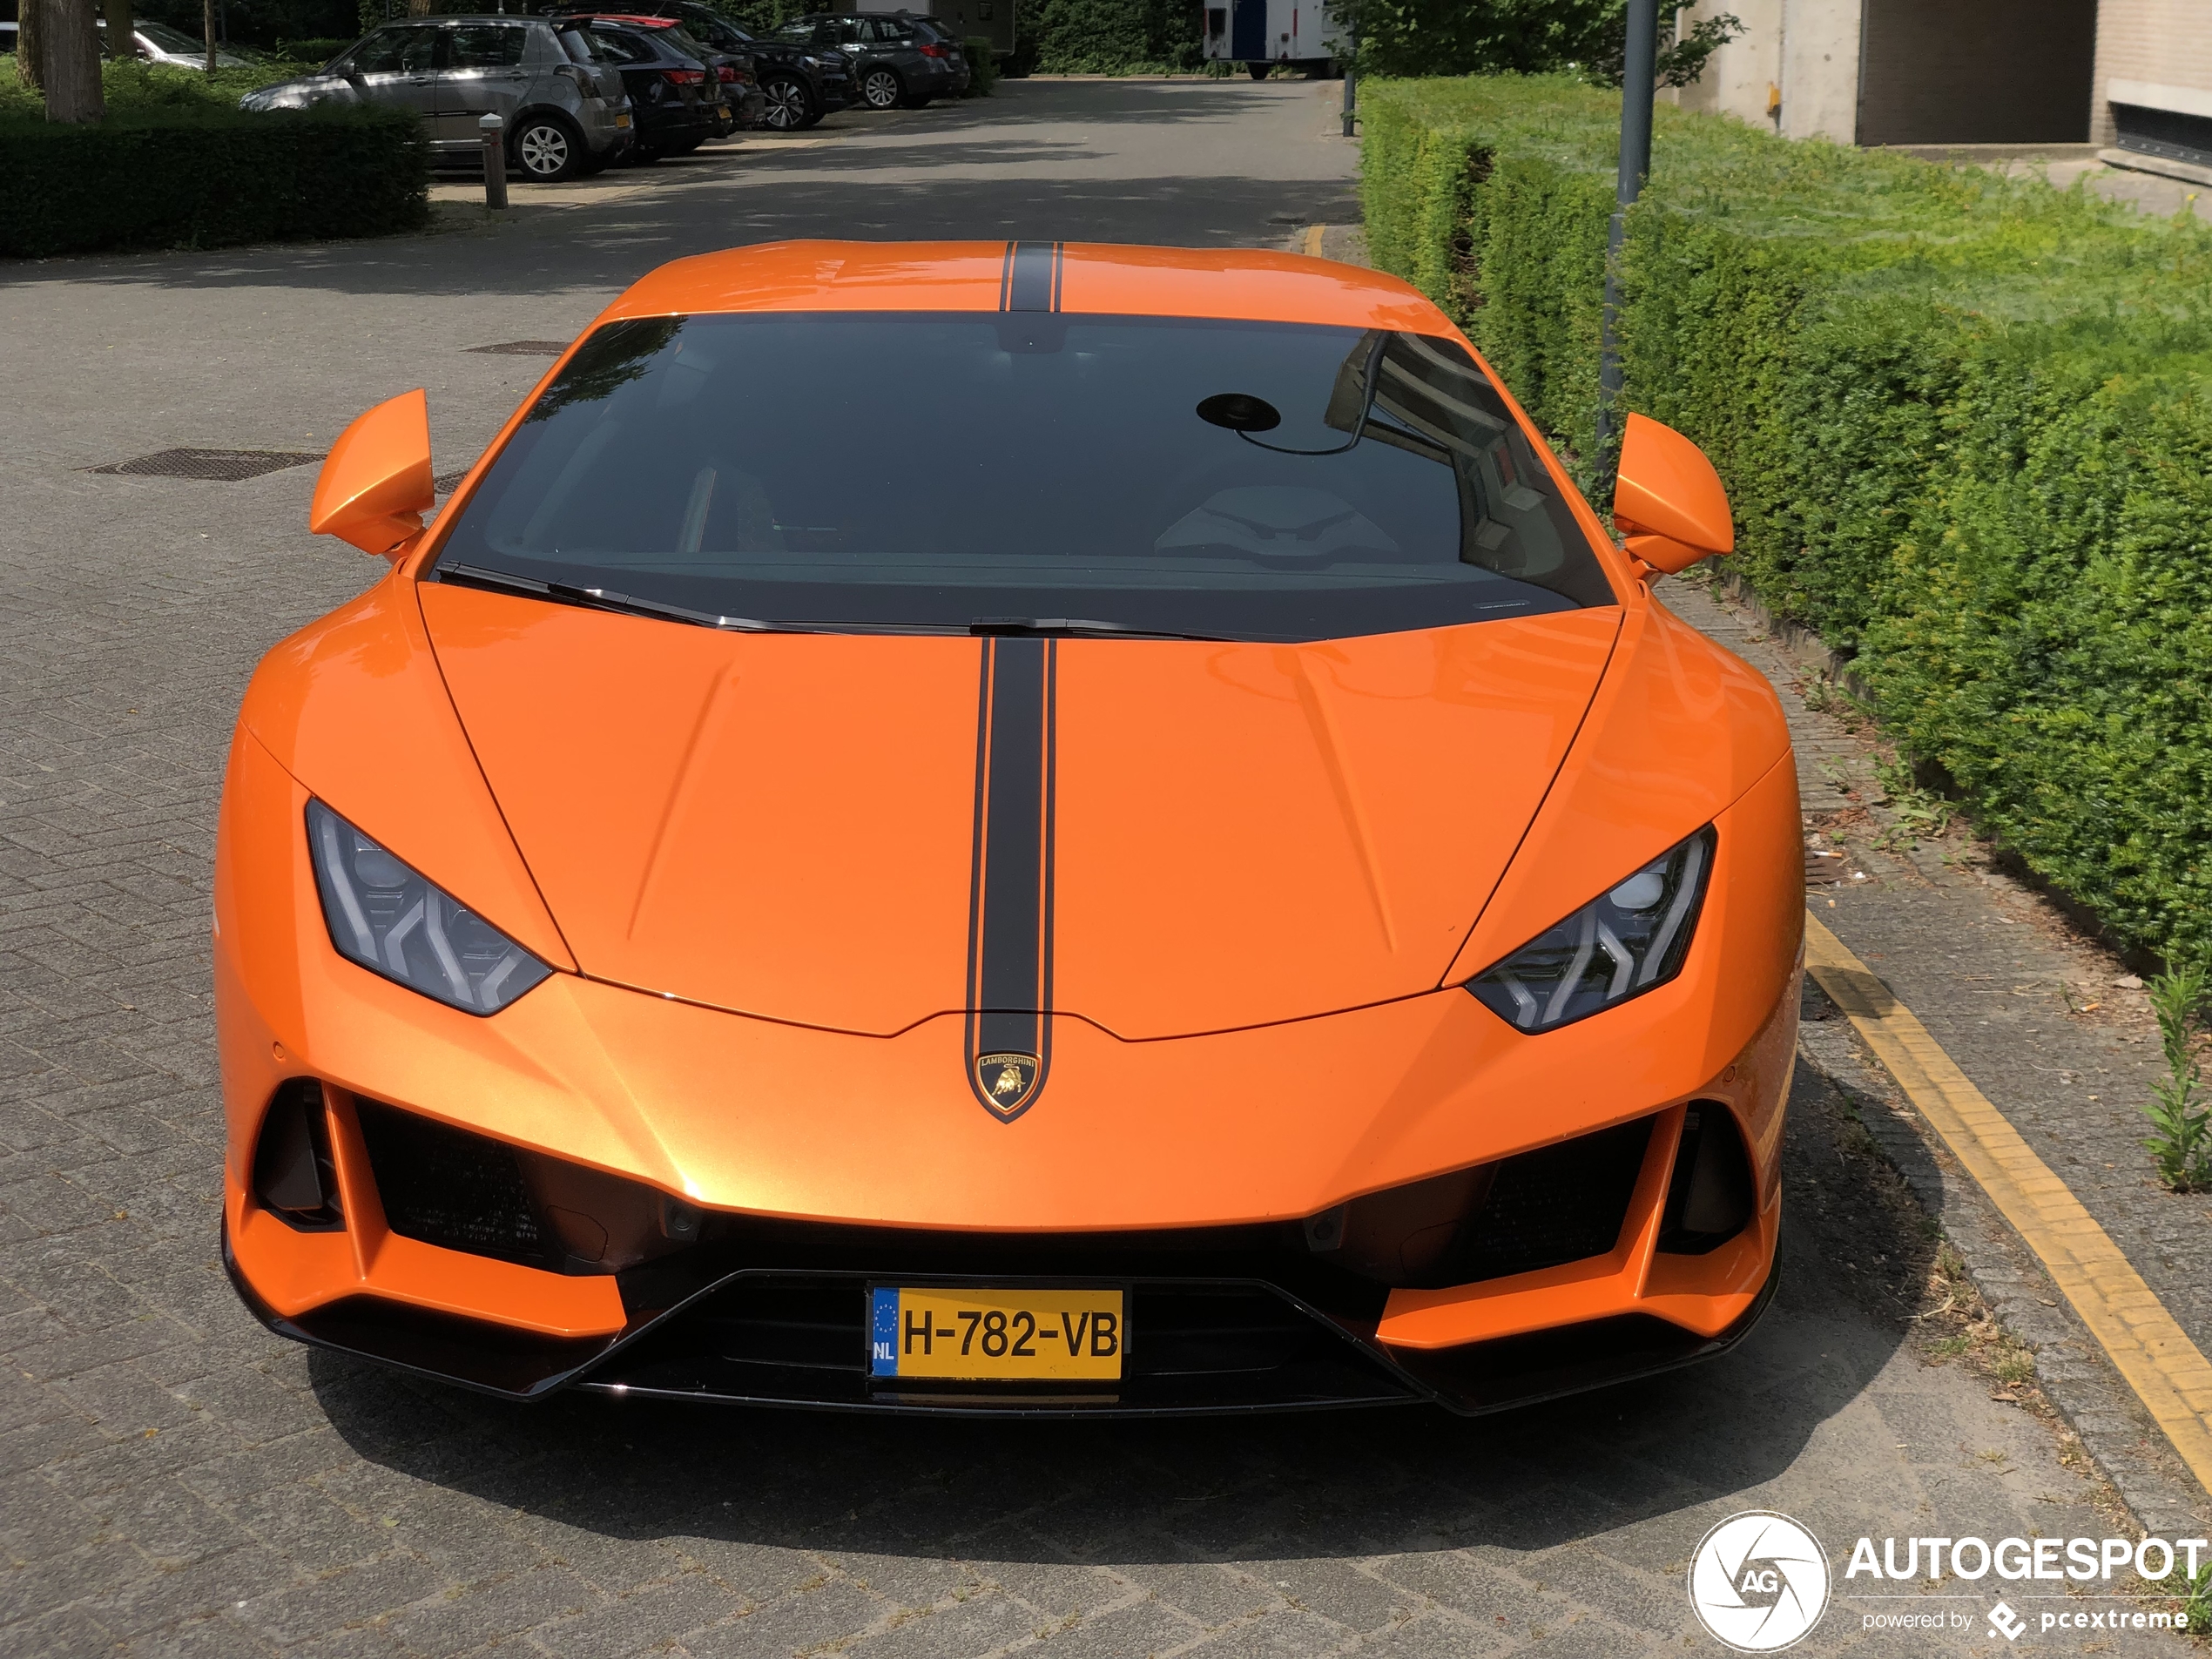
<point x="1030" y="828"/>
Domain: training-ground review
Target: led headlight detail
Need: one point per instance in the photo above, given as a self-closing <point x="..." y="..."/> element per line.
<point x="390" y="920"/>
<point x="1631" y="940"/>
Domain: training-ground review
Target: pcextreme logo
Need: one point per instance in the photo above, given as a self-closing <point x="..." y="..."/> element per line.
<point x="1758" y="1582"/>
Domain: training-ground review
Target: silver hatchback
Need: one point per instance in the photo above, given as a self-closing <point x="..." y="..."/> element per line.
<point x="566" y="111"/>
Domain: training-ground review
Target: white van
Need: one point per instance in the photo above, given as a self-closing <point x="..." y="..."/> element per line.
<point x="1260" y="34"/>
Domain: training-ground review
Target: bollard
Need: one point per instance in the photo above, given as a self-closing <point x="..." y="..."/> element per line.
<point x="493" y="128"/>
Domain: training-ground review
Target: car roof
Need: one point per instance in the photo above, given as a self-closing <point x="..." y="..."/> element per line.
<point x="1101" y="278"/>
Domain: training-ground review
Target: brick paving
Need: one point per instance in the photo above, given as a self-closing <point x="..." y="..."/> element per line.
<point x="172" y="1480"/>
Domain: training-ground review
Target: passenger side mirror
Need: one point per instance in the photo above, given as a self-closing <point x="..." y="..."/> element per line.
<point x="375" y="483"/>
<point x="1667" y="501"/>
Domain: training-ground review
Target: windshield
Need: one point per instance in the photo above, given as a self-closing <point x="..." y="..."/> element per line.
<point x="925" y="471"/>
<point x="170" y="40"/>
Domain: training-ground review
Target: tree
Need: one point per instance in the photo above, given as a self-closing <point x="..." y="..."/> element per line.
<point x="207" y="27"/>
<point x="31" y="43"/>
<point x="70" y="51"/>
<point x="121" y="30"/>
<point x="1523" y="37"/>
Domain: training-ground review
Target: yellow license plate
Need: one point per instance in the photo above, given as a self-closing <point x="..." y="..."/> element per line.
<point x="623" y="120"/>
<point x="996" y="1336"/>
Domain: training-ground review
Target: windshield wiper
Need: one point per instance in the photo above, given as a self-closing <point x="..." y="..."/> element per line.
<point x="1075" y="627"/>
<point x="607" y="599"/>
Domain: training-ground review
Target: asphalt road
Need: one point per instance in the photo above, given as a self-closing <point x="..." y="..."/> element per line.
<point x="173" y="1481"/>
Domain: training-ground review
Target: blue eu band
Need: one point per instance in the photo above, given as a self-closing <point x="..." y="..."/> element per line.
<point x="883" y="1332"/>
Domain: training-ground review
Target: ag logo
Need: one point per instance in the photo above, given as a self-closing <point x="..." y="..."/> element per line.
<point x="1758" y="1582"/>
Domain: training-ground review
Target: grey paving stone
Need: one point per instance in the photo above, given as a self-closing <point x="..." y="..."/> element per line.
<point x="462" y="1618"/>
<point x="806" y="1619"/>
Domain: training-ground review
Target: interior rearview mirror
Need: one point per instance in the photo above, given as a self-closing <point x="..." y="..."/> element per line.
<point x="375" y="483"/>
<point x="1668" y="502"/>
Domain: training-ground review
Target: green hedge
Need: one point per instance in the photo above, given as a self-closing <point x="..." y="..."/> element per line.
<point x="186" y="178"/>
<point x="1965" y="422"/>
<point x="1110" y="37"/>
<point x="983" y="65"/>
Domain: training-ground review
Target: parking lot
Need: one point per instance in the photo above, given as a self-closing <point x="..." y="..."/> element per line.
<point x="172" y="1479"/>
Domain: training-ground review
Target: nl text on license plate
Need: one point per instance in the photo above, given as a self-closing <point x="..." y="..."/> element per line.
<point x="987" y="1335"/>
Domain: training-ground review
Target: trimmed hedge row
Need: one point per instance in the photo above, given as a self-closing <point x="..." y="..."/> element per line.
<point x="1965" y="423"/>
<point x="187" y="179"/>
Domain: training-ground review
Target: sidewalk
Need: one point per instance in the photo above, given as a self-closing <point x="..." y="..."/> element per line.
<point x="2053" y="1030"/>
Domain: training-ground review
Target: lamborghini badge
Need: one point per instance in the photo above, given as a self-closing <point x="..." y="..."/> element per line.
<point x="1006" y="1081"/>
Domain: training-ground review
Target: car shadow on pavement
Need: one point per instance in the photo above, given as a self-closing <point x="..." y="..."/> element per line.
<point x="1397" y="1480"/>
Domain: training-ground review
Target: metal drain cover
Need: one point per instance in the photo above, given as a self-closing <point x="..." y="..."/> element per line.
<point x="446" y="480"/>
<point x="524" y="349"/>
<point x="222" y="466"/>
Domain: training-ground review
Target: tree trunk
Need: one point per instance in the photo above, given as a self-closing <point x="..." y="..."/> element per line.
<point x="72" y="65"/>
<point x="207" y="23"/>
<point x="418" y="8"/>
<point x="31" y="43"/>
<point x="122" y="28"/>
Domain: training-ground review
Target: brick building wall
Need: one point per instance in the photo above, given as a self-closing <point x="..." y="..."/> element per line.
<point x="2165" y="43"/>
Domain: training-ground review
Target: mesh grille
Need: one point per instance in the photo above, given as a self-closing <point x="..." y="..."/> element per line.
<point x="1558" y="1204"/>
<point x="218" y="466"/>
<point x="445" y="1187"/>
<point x="524" y="348"/>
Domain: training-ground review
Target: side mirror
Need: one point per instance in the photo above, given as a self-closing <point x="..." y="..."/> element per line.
<point x="375" y="483"/>
<point x="1667" y="501"/>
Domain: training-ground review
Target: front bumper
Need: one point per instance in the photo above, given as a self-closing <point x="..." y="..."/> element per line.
<point x="1212" y="1341"/>
<point x="1187" y="1167"/>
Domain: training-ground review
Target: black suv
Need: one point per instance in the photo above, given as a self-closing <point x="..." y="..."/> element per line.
<point x="899" y="58"/>
<point x="801" y="84"/>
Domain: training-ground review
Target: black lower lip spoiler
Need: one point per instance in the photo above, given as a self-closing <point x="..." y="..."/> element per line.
<point x="1475" y="1380"/>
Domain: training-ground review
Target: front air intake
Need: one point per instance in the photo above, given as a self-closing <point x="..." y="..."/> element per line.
<point x="461" y="1191"/>
<point x="447" y="1187"/>
<point x="1559" y="1204"/>
<point x="293" y="1177"/>
<point x="1709" y="1195"/>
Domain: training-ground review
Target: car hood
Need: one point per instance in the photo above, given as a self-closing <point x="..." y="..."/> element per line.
<point x="859" y="832"/>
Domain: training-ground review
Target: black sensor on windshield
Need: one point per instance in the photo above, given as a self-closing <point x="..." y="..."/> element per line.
<point x="1240" y="411"/>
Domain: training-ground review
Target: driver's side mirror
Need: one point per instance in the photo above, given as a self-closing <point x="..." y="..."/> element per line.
<point x="375" y="483"/>
<point x="1667" y="501"/>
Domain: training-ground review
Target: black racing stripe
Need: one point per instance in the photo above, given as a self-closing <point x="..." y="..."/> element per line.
<point x="1031" y="281"/>
<point x="1009" y="940"/>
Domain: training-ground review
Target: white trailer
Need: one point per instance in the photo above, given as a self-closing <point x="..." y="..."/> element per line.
<point x="1260" y="34"/>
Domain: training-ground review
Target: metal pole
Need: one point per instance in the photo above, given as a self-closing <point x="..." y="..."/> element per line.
<point x="494" y="127"/>
<point x="1350" y="77"/>
<point x="1639" y="76"/>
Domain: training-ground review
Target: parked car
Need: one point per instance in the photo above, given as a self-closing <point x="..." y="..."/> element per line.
<point x="672" y="93"/>
<point x="739" y="102"/>
<point x="567" y="113"/>
<point x="157" y="42"/>
<point x="962" y="20"/>
<point x="798" y="85"/>
<point x="1427" y="1036"/>
<point x="898" y="58"/>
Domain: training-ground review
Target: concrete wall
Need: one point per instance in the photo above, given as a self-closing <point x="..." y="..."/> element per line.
<point x="1803" y="53"/>
<point x="2168" y="42"/>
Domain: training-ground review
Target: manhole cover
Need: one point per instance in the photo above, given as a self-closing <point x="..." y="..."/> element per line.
<point x="223" y="466"/>
<point x="524" y="349"/>
<point x="446" y="480"/>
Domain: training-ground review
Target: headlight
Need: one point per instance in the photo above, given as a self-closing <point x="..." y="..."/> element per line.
<point x="1631" y="940"/>
<point x="390" y="920"/>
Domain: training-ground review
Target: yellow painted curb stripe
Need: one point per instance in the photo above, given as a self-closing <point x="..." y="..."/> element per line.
<point x="1313" y="240"/>
<point x="2153" y="1353"/>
